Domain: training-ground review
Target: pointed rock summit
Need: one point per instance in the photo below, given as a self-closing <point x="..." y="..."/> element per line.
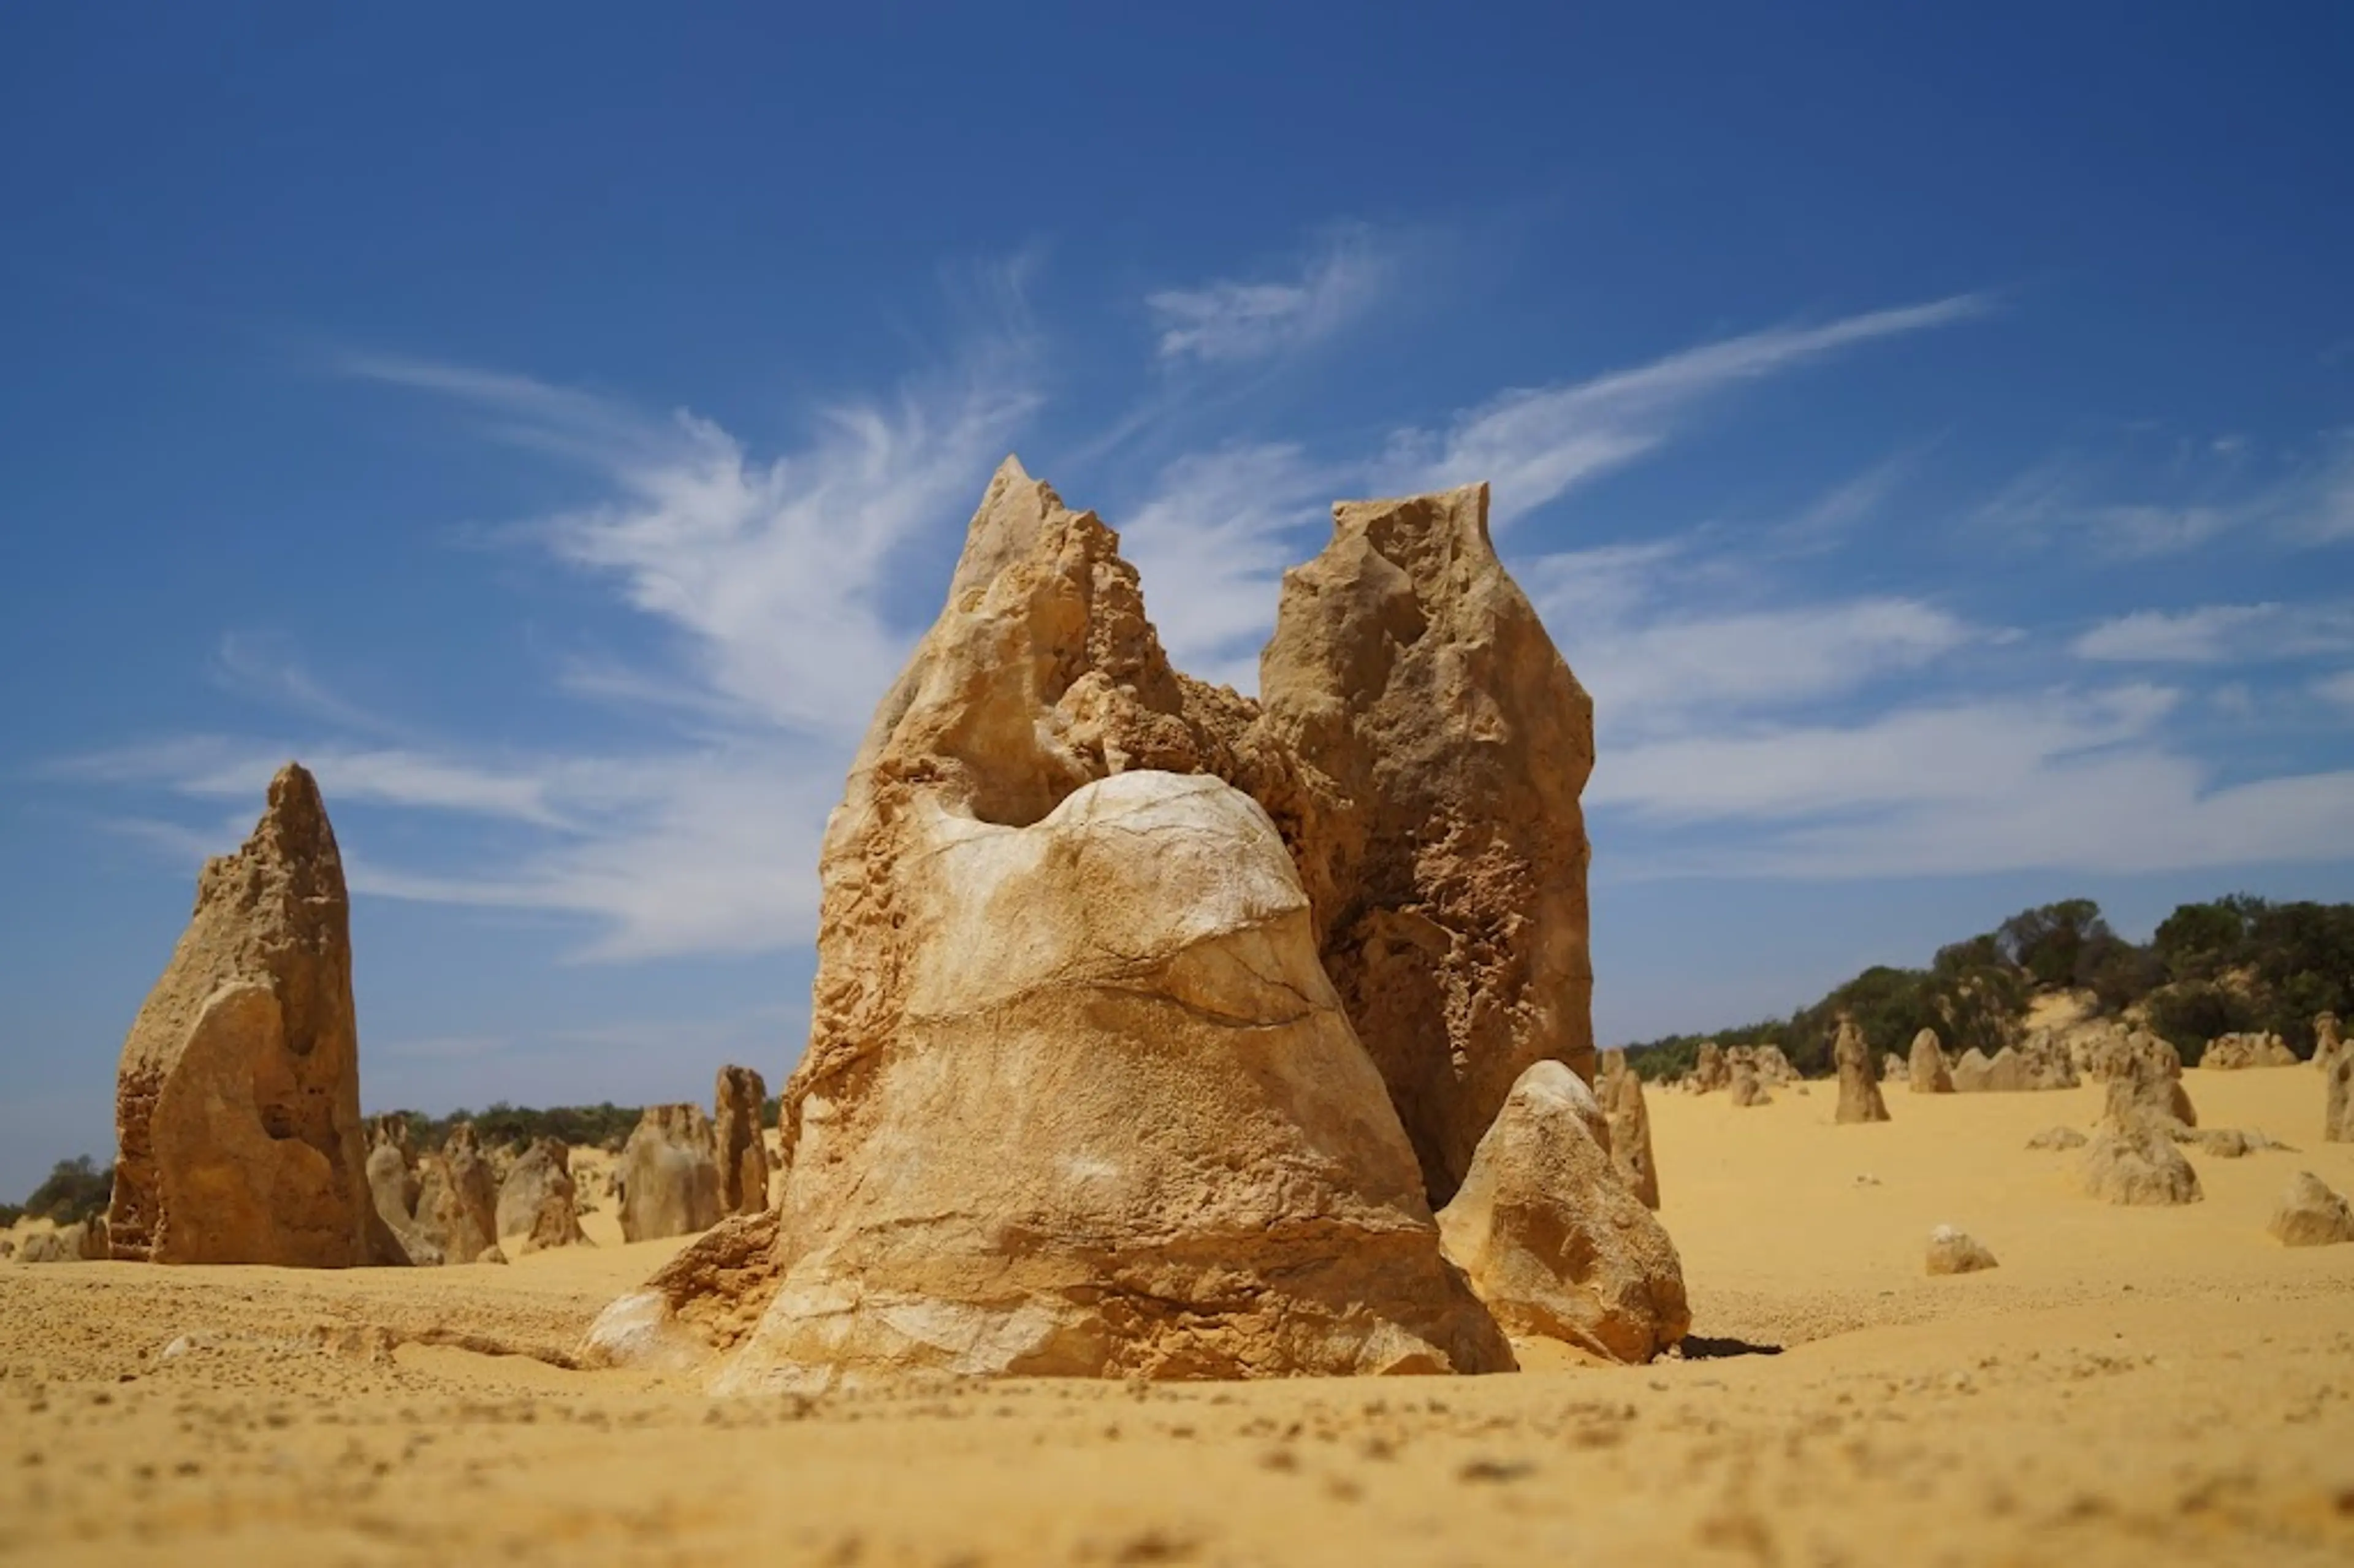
<point x="237" y="1106"/>
<point x="1442" y="845"/>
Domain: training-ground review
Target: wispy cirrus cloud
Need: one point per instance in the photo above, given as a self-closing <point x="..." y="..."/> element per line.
<point x="2187" y="496"/>
<point x="1537" y="443"/>
<point x="774" y="578"/>
<point x="2220" y="634"/>
<point x="1234" y="321"/>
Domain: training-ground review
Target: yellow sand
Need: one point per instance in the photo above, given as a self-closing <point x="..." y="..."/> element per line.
<point x="2129" y="1387"/>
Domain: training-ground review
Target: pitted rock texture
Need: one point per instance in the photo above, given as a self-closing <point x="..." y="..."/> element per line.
<point x="1117" y="1123"/>
<point x="237" y="1101"/>
<point x="1444" y="743"/>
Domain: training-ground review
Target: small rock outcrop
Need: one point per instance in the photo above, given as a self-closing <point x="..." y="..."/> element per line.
<point x="538" y="1200"/>
<point x="2237" y="1052"/>
<point x="2327" y="1041"/>
<point x="1954" y="1251"/>
<point x="1442" y="744"/>
<point x="2337" y="1097"/>
<point x="2145" y="1083"/>
<point x="1895" y="1069"/>
<point x="1747" y="1088"/>
<point x="741" y="1153"/>
<point x="84" y="1241"/>
<point x="2057" y="1137"/>
<point x="237" y="1101"/>
<point x="393" y="1183"/>
<point x="667" y="1180"/>
<point x="457" y="1201"/>
<point x="1773" y="1067"/>
<point x="2311" y="1215"/>
<point x="1860" y="1098"/>
<point x="1630" y="1128"/>
<point x="1551" y="1240"/>
<point x="1710" y="1071"/>
<point x="1927" y="1074"/>
<point x="704" y="1301"/>
<point x="2133" y="1161"/>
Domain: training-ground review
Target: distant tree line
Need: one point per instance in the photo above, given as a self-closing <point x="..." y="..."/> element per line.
<point x="602" y="1125"/>
<point x="77" y="1189"/>
<point x="2235" y="965"/>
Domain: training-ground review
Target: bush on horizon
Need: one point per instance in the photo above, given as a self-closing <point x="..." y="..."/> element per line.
<point x="2234" y="964"/>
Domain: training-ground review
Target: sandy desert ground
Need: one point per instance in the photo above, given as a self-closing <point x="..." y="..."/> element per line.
<point x="2131" y="1386"/>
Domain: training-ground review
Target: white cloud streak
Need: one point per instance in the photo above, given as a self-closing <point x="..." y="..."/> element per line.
<point x="1536" y="444"/>
<point x="2220" y="634"/>
<point x="1230" y="320"/>
<point x="2199" y="496"/>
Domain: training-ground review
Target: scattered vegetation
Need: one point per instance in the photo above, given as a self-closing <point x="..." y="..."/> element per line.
<point x="2237" y="964"/>
<point x="606" y="1126"/>
<point x="77" y="1189"/>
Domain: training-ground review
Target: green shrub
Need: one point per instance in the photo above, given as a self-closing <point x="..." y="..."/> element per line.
<point x="77" y="1189"/>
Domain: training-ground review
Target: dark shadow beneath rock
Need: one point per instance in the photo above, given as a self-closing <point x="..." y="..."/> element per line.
<point x="1701" y="1348"/>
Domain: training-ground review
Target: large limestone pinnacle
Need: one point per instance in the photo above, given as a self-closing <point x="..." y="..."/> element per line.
<point x="237" y="1101"/>
<point x="1078" y="1098"/>
<point x="1441" y="841"/>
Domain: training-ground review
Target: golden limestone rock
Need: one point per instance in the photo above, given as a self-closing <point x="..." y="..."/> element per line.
<point x="237" y="1101"/>
<point x="1442" y="844"/>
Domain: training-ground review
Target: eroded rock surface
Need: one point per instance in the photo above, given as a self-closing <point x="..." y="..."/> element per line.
<point x="1953" y="1250"/>
<point x="1630" y="1128"/>
<point x="1443" y="744"/>
<point x="1927" y="1074"/>
<point x="1551" y="1240"/>
<point x="237" y="1101"/>
<point x="667" y="1179"/>
<point x="2338" y="1096"/>
<point x="1860" y="1098"/>
<point x="736" y="1145"/>
<point x="1079" y="1097"/>
<point x="2311" y="1215"/>
<point x="538" y="1201"/>
<point x="2237" y="1052"/>
<point x="457" y="1201"/>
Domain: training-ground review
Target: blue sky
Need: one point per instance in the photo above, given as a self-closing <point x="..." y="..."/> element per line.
<point x="1930" y="436"/>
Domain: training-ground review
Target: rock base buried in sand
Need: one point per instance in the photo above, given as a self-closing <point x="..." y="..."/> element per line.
<point x="1953" y="1250"/>
<point x="706" y="1300"/>
<point x="1747" y="1088"/>
<point x="1160" y="1153"/>
<point x="1630" y="1128"/>
<point x="2057" y="1137"/>
<point x="2136" y="1163"/>
<point x="1860" y="1098"/>
<point x="237" y="1101"/>
<point x="2310" y="1214"/>
<point x="1551" y="1239"/>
